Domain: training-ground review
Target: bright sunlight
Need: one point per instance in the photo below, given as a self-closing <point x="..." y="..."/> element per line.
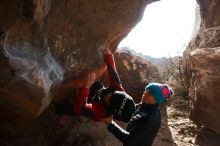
<point x="164" y="30"/>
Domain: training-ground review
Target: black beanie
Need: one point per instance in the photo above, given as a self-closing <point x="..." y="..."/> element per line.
<point x="121" y="106"/>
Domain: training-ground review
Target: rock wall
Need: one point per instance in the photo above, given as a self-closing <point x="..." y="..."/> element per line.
<point x="48" y="47"/>
<point x="202" y="65"/>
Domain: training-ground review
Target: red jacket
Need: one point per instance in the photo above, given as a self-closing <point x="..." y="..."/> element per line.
<point x="95" y="110"/>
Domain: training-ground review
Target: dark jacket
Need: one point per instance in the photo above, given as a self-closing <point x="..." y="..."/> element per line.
<point x="142" y="127"/>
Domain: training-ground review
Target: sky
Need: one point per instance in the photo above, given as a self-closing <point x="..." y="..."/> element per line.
<point x="164" y="30"/>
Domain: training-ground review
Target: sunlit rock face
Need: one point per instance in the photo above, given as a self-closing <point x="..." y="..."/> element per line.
<point x="202" y="65"/>
<point x="135" y="72"/>
<point x="48" y="47"/>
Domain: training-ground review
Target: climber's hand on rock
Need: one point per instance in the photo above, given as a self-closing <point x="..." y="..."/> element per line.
<point x="90" y="80"/>
<point x="106" y="51"/>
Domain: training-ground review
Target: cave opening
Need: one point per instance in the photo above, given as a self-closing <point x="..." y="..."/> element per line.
<point x="164" y="31"/>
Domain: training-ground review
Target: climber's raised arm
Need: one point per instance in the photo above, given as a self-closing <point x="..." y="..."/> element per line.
<point x="113" y="77"/>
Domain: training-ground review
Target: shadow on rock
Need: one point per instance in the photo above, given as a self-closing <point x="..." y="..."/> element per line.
<point x="207" y="137"/>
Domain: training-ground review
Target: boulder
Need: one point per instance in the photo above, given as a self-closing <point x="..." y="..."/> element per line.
<point x="202" y="66"/>
<point x="48" y="48"/>
<point x="47" y="43"/>
<point x="135" y="72"/>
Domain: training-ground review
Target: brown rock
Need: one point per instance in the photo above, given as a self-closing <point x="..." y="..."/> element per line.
<point x="202" y="66"/>
<point x="135" y="72"/>
<point x="48" y="47"/>
<point x="48" y="42"/>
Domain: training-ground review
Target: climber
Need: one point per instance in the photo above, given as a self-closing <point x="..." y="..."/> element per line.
<point x="145" y="122"/>
<point x="96" y="101"/>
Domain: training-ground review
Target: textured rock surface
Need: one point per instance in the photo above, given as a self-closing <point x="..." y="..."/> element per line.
<point x="48" y="47"/>
<point x="202" y="65"/>
<point x="135" y="72"/>
<point x="48" y="41"/>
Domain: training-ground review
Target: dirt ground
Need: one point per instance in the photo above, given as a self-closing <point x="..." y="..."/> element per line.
<point x="178" y="130"/>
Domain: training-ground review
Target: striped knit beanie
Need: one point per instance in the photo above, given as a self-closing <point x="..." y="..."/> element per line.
<point x="160" y="92"/>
